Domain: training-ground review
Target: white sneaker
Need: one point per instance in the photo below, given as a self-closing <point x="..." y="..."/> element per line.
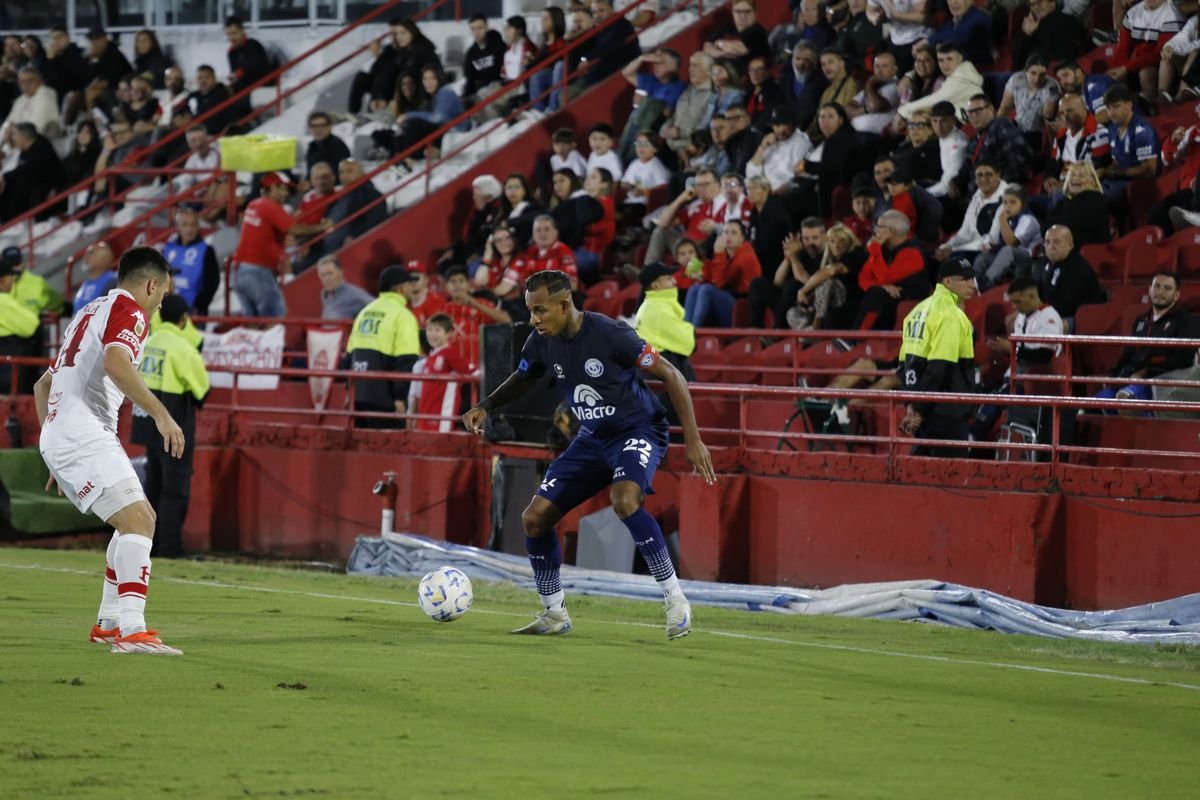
<point x="1182" y="218"/>
<point x="679" y="615"/>
<point x="548" y="623"/>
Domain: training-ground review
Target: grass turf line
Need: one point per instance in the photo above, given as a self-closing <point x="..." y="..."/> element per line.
<point x="395" y="705"/>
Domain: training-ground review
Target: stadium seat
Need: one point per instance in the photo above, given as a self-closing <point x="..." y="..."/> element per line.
<point x="741" y="313"/>
<point x="1146" y="260"/>
<point x="1147" y="234"/>
<point x="706" y="360"/>
<point x="1107" y="260"/>
<point x="1187" y="236"/>
<point x="627" y="299"/>
<point x="603" y="298"/>
<point x="1187" y="258"/>
<point x="781" y="354"/>
<point x="740" y="359"/>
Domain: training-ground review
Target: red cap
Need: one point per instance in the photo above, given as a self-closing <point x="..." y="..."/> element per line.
<point x="416" y="265"/>
<point x="272" y="178"/>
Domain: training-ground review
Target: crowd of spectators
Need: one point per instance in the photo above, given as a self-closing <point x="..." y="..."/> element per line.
<point x="810" y="176"/>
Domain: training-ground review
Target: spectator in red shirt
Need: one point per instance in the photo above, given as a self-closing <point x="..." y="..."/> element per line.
<point x="724" y="279"/>
<point x="863" y="205"/>
<point x="423" y="302"/>
<point x="547" y="252"/>
<point x="439" y="398"/>
<point x="469" y="314"/>
<point x="265" y="228"/>
<point x="598" y="236"/>
<point x="895" y="271"/>
<point x="697" y="209"/>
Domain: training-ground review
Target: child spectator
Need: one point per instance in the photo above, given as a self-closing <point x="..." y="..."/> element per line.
<point x="600" y="140"/>
<point x="598" y="236"/>
<point x="646" y="173"/>
<point x="862" y="222"/>
<point x="439" y="398"/>
<point x="1010" y="247"/>
<point x="565" y="155"/>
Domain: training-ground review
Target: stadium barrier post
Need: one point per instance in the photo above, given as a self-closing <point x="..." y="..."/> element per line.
<point x="387" y="490"/>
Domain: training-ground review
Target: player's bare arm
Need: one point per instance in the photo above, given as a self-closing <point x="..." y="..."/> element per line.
<point x="697" y="453"/>
<point x="120" y="370"/>
<point x="41" y="400"/>
<point x="516" y="386"/>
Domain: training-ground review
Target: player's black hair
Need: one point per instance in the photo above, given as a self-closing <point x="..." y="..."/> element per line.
<point x="443" y="321"/>
<point x="138" y="263"/>
<point x="553" y="280"/>
<point x="1021" y="285"/>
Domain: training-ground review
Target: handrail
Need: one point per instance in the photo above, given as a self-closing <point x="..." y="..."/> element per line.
<point x="468" y="113"/>
<point x="244" y="94"/>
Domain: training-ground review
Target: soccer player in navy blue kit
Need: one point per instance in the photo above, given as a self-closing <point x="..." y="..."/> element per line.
<point x="598" y="365"/>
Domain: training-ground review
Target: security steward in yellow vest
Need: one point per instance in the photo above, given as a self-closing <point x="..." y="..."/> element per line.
<point x="31" y="289"/>
<point x="938" y="355"/>
<point x="18" y="331"/>
<point x="175" y="372"/>
<point x="659" y="320"/>
<point x="386" y="337"/>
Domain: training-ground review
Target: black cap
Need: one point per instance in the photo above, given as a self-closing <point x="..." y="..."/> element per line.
<point x="955" y="267"/>
<point x="652" y="272"/>
<point x="6" y="269"/>
<point x="173" y="308"/>
<point x="394" y="276"/>
<point x="97" y="33"/>
<point x="12" y="256"/>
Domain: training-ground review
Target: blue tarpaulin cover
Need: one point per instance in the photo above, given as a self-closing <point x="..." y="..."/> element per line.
<point x="1174" y="621"/>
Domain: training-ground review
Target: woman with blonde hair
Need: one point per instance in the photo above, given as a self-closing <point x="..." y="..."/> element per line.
<point x="1084" y="211"/>
<point x="829" y="297"/>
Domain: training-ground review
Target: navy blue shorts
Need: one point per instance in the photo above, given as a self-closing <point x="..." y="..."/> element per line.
<point x="590" y="465"/>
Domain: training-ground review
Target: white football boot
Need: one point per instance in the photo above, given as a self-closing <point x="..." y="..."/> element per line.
<point x="548" y="623"/>
<point x="679" y="615"/>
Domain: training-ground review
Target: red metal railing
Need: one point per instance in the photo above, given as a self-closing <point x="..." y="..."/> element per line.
<point x="28" y="218"/>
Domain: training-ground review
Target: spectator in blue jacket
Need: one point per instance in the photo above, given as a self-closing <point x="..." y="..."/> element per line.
<point x="968" y="27"/>
<point x="1136" y="151"/>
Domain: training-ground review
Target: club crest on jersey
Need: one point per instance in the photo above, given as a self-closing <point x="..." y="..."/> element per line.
<point x="593" y="368"/>
<point x="589" y="404"/>
<point x="139" y="327"/>
<point x="558" y="371"/>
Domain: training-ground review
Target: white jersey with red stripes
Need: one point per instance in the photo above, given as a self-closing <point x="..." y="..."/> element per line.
<point x="84" y="402"/>
<point x="441" y="397"/>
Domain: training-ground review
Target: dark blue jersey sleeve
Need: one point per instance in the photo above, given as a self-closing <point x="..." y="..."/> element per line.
<point x="532" y="362"/>
<point x="630" y="350"/>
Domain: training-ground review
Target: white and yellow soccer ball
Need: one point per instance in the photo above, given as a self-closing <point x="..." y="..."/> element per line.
<point x="445" y="594"/>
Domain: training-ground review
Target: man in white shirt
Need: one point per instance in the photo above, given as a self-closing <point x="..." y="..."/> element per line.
<point x="906" y="25"/>
<point x="982" y="218"/>
<point x="953" y="145"/>
<point x="204" y="156"/>
<point x="37" y="104"/>
<point x="779" y="152"/>
<point x="874" y="108"/>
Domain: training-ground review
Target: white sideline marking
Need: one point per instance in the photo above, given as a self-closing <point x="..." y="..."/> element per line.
<point x="628" y="624"/>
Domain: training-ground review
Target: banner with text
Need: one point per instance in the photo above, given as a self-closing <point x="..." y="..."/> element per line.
<point x="245" y="348"/>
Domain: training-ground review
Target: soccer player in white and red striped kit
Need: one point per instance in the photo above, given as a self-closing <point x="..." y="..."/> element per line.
<point x="77" y="403"/>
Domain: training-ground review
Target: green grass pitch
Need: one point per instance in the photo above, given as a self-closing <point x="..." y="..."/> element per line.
<point x="298" y="684"/>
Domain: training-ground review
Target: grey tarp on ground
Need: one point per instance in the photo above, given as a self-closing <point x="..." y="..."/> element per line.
<point x="1174" y="621"/>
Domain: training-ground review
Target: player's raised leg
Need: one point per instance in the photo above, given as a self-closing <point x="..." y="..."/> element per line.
<point x="107" y="626"/>
<point x="545" y="556"/>
<point x="135" y="522"/>
<point x="648" y="536"/>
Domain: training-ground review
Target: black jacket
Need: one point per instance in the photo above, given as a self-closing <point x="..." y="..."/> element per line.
<point x="1175" y="324"/>
<point x="32" y="180"/>
<point x="110" y="67"/>
<point x="1069" y="284"/>
<point x="155" y="64"/>
<point x="803" y="105"/>
<point x="924" y="163"/>
<point x="483" y="65"/>
<point x="1086" y="216"/>
<point x="860" y="39"/>
<point x="202" y="103"/>
<point x="768" y="229"/>
<point x="741" y="147"/>
<point x="612" y="49"/>
<point x="1059" y="37"/>
<point x="840" y="162"/>
<point x="68" y="72"/>
<point x="573" y="215"/>
<point x="330" y="150"/>
<point x="348" y="204"/>
<point x="249" y="62"/>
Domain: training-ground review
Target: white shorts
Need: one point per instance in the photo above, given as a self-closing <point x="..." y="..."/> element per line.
<point x="97" y="477"/>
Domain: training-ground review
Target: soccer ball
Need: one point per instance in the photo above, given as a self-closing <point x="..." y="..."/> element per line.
<point x="445" y="594"/>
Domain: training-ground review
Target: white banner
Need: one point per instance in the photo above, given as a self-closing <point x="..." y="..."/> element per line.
<point x="323" y="350"/>
<point x="244" y="348"/>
